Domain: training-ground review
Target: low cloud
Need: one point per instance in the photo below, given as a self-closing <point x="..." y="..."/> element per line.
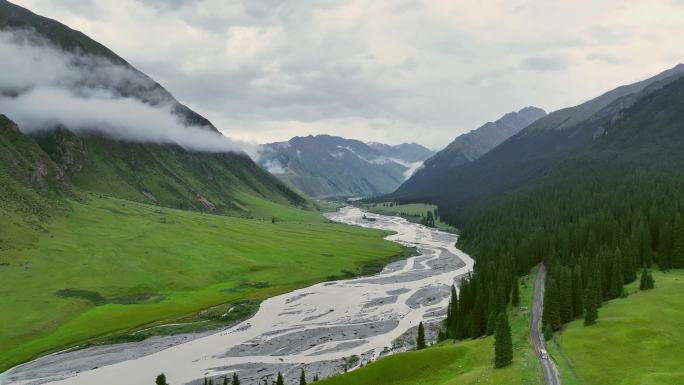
<point x="544" y="63"/>
<point x="51" y="88"/>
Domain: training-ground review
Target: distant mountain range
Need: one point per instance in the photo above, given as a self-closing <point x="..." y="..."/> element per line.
<point x="325" y="166"/>
<point x="469" y="147"/>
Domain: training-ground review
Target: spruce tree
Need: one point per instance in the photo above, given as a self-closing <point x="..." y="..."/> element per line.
<point x="315" y="378"/>
<point x="591" y="304"/>
<point x="302" y="378"/>
<point x="225" y="380"/>
<point x="515" y="294"/>
<point x="616" y="282"/>
<point x="577" y="291"/>
<point x="236" y="379"/>
<point x="590" y="313"/>
<point x="551" y="311"/>
<point x="279" y="379"/>
<point x="565" y="295"/>
<point x="491" y="323"/>
<point x="452" y="314"/>
<point x="161" y="380"/>
<point x="420" y="339"/>
<point x="647" y="281"/>
<point x="211" y="382"/>
<point x="643" y="282"/>
<point x="665" y="245"/>
<point x="503" y="343"/>
<point x="678" y="242"/>
<point x="548" y="332"/>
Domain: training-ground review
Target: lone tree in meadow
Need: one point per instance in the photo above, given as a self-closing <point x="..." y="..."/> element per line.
<point x="420" y="340"/>
<point x="302" y="378"/>
<point x="503" y="343"/>
<point x="161" y="380"/>
<point x="647" y="282"/>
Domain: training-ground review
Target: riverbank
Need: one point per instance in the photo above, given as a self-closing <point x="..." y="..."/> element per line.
<point x="113" y="266"/>
<point x="320" y="328"/>
<point x="459" y="362"/>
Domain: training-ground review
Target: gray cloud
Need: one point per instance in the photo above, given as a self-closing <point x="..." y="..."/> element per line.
<point x="389" y="71"/>
<point x="544" y="63"/>
<point x="605" y="57"/>
<point x="51" y="88"/>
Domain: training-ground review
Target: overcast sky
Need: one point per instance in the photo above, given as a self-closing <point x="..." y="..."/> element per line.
<point x="388" y="71"/>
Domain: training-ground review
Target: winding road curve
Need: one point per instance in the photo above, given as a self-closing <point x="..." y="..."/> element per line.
<point x="551" y="374"/>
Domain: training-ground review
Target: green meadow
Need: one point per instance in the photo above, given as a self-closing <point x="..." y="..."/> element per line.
<point x="110" y="266"/>
<point x="458" y="363"/>
<point x="638" y="339"/>
<point x="414" y="212"/>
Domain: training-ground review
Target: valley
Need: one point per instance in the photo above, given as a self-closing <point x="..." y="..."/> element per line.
<point x="112" y="265"/>
<point x="318" y="328"/>
<point x="350" y="192"/>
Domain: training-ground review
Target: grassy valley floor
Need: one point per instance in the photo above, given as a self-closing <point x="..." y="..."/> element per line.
<point x="638" y="340"/>
<point x="113" y="265"/>
<point x="458" y="363"/>
<point x="414" y="212"/>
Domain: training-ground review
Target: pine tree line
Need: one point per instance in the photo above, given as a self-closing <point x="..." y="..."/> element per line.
<point x="594" y="236"/>
<point x="235" y="380"/>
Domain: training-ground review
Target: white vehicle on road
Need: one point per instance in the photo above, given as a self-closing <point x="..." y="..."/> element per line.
<point x="543" y="354"/>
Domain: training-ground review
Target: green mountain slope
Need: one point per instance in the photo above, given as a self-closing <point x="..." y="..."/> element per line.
<point x="167" y="175"/>
<point x="467" y="148"/>
<point x="163" y="174"/>
<point x="532" y="152"/>
<point x="595" y="218"/>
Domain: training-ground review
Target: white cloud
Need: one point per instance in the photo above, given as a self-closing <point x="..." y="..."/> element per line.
<point x="50" y="88"/>
<point x="420" y="71"/>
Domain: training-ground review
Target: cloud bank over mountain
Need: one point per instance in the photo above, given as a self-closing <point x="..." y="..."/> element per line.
<point x="386" y="71"/>
<point x="52" y="88"/>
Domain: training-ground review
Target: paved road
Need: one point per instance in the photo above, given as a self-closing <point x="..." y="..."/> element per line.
<point x="551" y="375"/>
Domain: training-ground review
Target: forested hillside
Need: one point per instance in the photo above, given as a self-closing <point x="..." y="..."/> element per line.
<point x="465" y="149"/>
<point x="533" y="152"/>
<point x="596" y="220"/>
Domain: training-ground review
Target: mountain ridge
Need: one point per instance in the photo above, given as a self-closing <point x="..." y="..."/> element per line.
<point x="326" y="166"/>
<point x="527" y="154"/>
<point x="470" y="146"/>
<point x="162" y="174"/>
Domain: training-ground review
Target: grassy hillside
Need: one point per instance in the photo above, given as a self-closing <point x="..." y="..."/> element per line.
<point x="638" y="339"/>
<point x="166" y="175"/>
<point x="457" y="363"/>
<point x="111" y="265"/>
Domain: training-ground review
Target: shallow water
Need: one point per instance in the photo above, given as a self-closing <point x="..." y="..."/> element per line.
<point x="314" y="328"/>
